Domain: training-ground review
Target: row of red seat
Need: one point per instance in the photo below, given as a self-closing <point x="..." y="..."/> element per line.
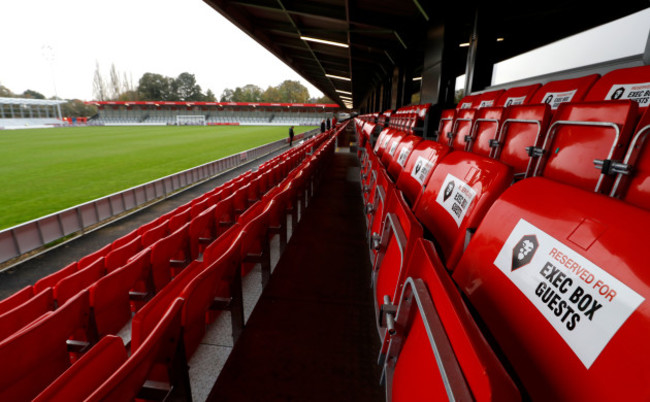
<point x="167" y="279"/>
<point x="527" y="282"/>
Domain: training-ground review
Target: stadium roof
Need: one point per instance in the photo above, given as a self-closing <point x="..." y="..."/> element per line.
<point x="350" y="47"/>
<point x="190" y="104"/>
<point x="29" y="101"/>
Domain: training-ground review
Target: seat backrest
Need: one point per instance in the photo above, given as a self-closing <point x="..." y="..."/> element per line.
<point x="87" y="373"/>
<point x="468" y="102"/>
<point x="109" y="296"/>
<point x="418" y="167"/>
<point x="631" y="83"/>
<point x="52" y="279"/>
<point x="445" y="125"/>
<point x="17" y="299"/>
<point x="522" y="127"/>
<point x="200" y="292"/>
<point x="457" y="195"/>
<point x="91" y="258"/>
<point x="556" y="265"/>
<point x="383" y="140"/>
<point x="69" y="286"/>
<point x="23" y="314"/>
<point x="401" y="155"/>
<point x="462" y="128"/>
<point x="391" y="148"/>
<point x="484" y="374"/>
<point x="488" y="99"/>
<point x="557" y="92"/>
<point x="119" y="256"/>
<point x="400" y="231"/>
<point x="155" y="233"/>
<point x="174" y="247"/>
<point x="517" y="95"/>
<point x="634" y="186"/>
<point x="487" y="121"/>
<point x="34" y="356"/>
<point x="161" y="343"/>
<point x="202" y="229"/>
<point x="581" y="133"/>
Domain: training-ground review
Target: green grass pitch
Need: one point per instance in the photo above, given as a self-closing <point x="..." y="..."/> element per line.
<point x="47" y="170"/>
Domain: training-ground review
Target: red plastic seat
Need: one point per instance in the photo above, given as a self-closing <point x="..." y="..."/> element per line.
<point x="17" y="299"/>
<point x="155" y="233"/>
<point x="202" y="231"/>
<point x="87" y="373"/>
<point x="118" y="257"/>
<point x="159" y="348"/>
<point x="582" y="133"/>
<point x="633" y="185"/>
<point x="110" y="296"/>
<point x="51" y="280"/>
<point x="557" y="276"/>
<point x="488" y="120"/>
<point x="457" y="195"/>
<point x="401" y="155"/>
<point x="631" y="83"/>
<point x="400" y="230"/>
<point x="517" y="95"/>
<point x="11" y="321"/>
<point x="69" y="286"/>
<point x="389" y="153"/>
<point x="36" y="355"/>
<point x="418" y="168"/>
<point x="170" y="254"/>
<point x="554" y="93"/>
<point x="201" y="292"/>
<point x="437" y="342"/>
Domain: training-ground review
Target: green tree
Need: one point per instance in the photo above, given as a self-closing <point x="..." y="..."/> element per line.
<point x="210" y="96"/>
<point x="99" y="87"/>
<point x="156" y="87"/>
<point x="5" y="92"/>
<point x="226" y="95"/>
<point x="33" y="94"/>
<point x="77" y="108"/>
<point x="272" y="94"/>
<point x="247" y="93"/>
<point x="186" y="88"/>
<point x="293" y="92"/>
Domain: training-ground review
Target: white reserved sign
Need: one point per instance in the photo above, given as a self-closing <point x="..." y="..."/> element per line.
<point x="584" y="304"/>
<point x="421" y="169"/>
<point x="515" y="101"/>
<point x="455" y="196"/>
<point x="403" y="156"/>
<point x="636" y="92"/>
<point x="555" y="98"/>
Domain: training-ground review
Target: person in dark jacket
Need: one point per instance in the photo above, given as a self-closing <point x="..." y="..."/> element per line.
<point x="322" y="126"/>
<point x="291" y="136"/>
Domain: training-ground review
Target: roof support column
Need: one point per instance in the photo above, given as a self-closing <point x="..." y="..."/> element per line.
<point x="480" y="59"/>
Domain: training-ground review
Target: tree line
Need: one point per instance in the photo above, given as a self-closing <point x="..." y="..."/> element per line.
<point x="157" y="87"/>
<point x="150" y="87"/>
<point x="287" y="92"/>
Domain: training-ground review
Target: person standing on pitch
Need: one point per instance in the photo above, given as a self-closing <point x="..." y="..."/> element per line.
<point x="291" y="136"/>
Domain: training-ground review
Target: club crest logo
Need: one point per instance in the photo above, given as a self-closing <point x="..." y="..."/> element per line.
<point x="524" y="251"/>
<point x="448" y="190"/>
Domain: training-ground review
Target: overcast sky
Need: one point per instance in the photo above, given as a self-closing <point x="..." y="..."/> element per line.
<point x="159" y="36"/>
<point x="48" y="45"/>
